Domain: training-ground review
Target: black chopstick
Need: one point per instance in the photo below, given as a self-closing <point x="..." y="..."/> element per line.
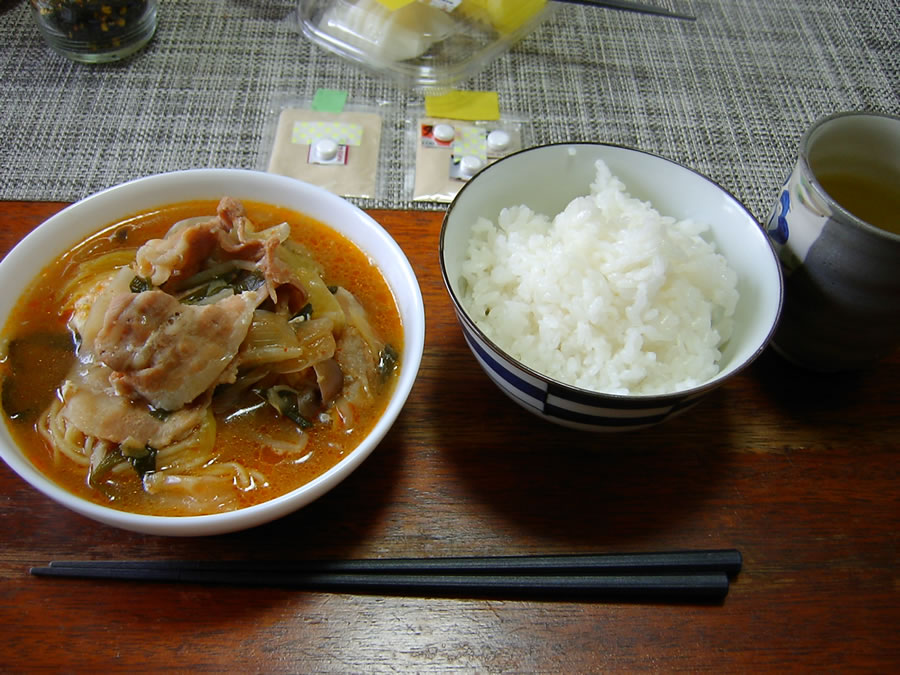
<point x="712" y="586"/>
<point x="700" y="575"/>
<point x="632" y="6"/>
<point x="669" y="562"/>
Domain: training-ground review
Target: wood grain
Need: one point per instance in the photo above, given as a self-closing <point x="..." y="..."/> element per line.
<point x="798" y="471"/>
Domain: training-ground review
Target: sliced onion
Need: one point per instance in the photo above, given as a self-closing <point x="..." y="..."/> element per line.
<point x="287" y="447"/>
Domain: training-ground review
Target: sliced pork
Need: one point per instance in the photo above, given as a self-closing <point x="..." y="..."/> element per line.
<point x="169" y="353"/>
<point x="172" y="261"/>
<point x="90" y="405"/>
<point x="180" y="255"/>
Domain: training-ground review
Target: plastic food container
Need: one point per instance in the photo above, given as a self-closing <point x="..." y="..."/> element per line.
<point x="420" y="42"/>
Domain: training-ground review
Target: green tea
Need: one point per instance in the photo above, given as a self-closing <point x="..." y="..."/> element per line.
<point x="874" y="199"/>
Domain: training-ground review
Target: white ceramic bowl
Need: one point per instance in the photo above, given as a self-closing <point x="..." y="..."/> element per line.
<point x="81" y="219"/>
<point x="546" y="179"/>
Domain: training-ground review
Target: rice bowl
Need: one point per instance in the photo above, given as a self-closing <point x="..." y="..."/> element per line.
<point x="601" y="354"/>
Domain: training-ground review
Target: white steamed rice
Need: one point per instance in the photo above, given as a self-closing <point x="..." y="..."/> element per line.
<point x="609" y="296"/>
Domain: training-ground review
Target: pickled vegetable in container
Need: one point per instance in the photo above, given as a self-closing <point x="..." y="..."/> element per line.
<point x="420" y="42"/>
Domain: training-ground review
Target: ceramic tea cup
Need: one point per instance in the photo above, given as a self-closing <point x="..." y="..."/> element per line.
<point x="836" y="228"/>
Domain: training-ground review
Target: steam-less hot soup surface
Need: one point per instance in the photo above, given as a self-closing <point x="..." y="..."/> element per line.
<point x="199" y="358"/>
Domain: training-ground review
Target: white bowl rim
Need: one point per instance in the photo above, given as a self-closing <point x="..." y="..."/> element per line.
<point x="267" y="511"/>
<point x="580" y="392"/>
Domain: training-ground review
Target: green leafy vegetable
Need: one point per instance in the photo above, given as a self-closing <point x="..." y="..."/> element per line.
<point x="236" y="280"/>
<point x="249" y="282"/>
<point x="159" y="413"/>
<point x="305" y="312"/>
<point x="139" y="285"/>
<point x="111" y="459"/>
<point x="143" y="460"/>
<point x="287" y="402"/>
<point x="387" y="361"/>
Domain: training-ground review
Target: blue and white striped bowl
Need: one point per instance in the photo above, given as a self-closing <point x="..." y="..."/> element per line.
<point x="548" y="177"/>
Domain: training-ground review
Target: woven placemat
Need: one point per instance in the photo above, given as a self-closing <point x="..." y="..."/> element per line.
<point x="728" y="94"/>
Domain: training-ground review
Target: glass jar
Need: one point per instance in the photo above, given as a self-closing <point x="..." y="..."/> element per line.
<point x="95" y="31"/>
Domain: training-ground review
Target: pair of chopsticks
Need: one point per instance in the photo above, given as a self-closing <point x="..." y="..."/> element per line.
<point x="679" y="575"/>
<point x="632" y="6"/>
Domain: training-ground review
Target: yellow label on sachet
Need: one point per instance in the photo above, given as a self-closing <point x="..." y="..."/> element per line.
<point x="343" y="133"/>
<point x="464" y="105"/>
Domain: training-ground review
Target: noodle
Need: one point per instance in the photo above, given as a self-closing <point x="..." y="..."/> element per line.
<point x="192" y="452"/>
<point x="64" y="438"/>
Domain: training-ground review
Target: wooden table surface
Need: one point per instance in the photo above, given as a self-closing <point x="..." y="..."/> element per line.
<point x="797" y="471"/>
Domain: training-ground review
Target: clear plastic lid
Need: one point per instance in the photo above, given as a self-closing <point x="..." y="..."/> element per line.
<point x="420" y="42"/>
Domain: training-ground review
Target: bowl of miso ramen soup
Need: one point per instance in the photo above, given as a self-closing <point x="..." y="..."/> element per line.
<point x="203" y="351"/>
